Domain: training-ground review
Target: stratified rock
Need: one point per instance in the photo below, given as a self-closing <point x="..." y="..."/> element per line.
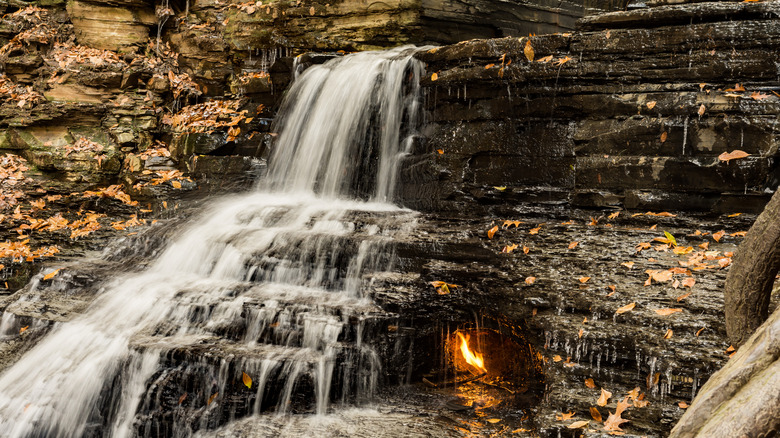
<point x="120" y="25"/>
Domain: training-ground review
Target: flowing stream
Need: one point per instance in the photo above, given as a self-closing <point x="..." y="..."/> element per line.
<point x="268" y="284"/>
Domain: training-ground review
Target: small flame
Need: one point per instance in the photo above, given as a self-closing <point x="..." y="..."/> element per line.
<point x="474" y="359"/>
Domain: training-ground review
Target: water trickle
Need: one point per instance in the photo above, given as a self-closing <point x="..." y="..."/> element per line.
<point x="268" y="283"/>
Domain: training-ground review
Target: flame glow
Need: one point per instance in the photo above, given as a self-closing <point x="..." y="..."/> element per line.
<point x="474" y="359"/>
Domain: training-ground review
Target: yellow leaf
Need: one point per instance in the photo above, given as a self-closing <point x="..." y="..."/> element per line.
<point x="491" y="232"/>
<point x="733" y="155"/>
<point x="51" y="274"/>
<point x="176" y="184"/>
<point x="626" y="308"/>
<point x="247" y="380"/>
<point x="668" y="334"/>
<point x="493" y="420"/>
<point x="500" y="188"/>
<point x="434" y="76"/>
<point x="23" y="329"/>
<point x="578" y="424"/>
<point x="680" y="250"/>
<point x="530" y="280"/>
<point x="667" y="312"/>
<point x="604" y="397"/>
<point x="529" y="51"/>
<point x="651" y="104"/>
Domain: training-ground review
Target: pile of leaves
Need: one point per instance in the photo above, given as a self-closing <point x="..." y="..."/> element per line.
<point x="183" y="85"/>
<point x="12" y="170"/>
<point x="31" y="26"/>
<point x="246" y="77"/>
<point x="83" y="145"/>
<point x="208" y="116"/>
<point x="21" y="94"/>
<point x="69" y="55"/>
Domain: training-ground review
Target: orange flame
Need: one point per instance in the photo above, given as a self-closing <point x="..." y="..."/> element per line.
<point x="474" y="359"/>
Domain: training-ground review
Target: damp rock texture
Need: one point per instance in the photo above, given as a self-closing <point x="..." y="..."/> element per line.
<point x="634" y="110"/>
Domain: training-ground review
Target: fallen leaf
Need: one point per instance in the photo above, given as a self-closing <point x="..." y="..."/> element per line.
<point x="664" y="136"/>
<point x="489" y="66"/>
<point x="573" y="245"/>
<point x="440" y="151"/>
<point x="604" y="397"/>
<point x="491" y="232"/>
<point x="681" y="250"/>
<point x="683" y="405"/>
<point x="247" y="380"/>
<point x="667" y="311"/>
<point x="564" y="417"/>
<point x="509" y="223"/>
<point x="628" y="265"/>
<point x="182" y="398"/>
<point x="557" y="358"/>
<point x="705" y="245"/>
<point x="51" y="274"/>
<point x="211" y="399"/>
<point x="23" y="329"/>
<point x="590" y="383"/>
<point x="534" y="230"/>
<point x="734" y="215"/>
<point x="614" y="215"/>
<point x="717" y="236"/>
<point x="493" y="420"/>
<point x="698" y="332"/>
<point x="595" y="414"/>
<point x="526" y="249"/>
<point x="738" y="234"/>
<point x="434" y="76"/>
<point x="669" y="334"/>
<point x="702" y="110"/>
<point x="580" y="333"/>
<point x="651" y="104"/>
<point x="683" y="296"/>
<point x="578" y="424"/>
<point x="529" y="51"/>
<point x="733" y="155"/>
<point x="545" y="60"/>
<point x="530" y="280"/>
<point x="509" y="248"/>
<point x="613" y="422"/>
<point x="584" y="280"/>
<point x="500" y="188"/>
<point x="521" y="430"/>
<point x="626" y="308"/>
<point x="758" y="95"/>
<point x="724" y="262"/>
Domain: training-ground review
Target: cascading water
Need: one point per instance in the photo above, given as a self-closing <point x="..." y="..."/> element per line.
<point x="267" y="284"/>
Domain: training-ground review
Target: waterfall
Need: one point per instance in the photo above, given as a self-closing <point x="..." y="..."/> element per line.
<point x="267" y="284"/>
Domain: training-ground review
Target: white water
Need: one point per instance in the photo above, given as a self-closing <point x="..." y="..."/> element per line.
<point x="281" y="264"/>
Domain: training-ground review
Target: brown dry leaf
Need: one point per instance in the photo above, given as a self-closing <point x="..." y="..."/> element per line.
<point x="733" y="155"/>
<point x="557" y="358"/>
<point x="578" y="424"/>
<point x="182" y="398"/>
<point x="590" y="383"/>
<point x="683" y="296"/>
<point x="509" y="223"/>
<point x="676" y="283"/>
<point x="669" y="334"/>
<point x="526" y="249"/>
<point x="176" y="184"/>
<point x="595" y="414"/>
<point x="698" y="332"/>
<point x="491" y="232"/>
<point x="683" y="405"/>
<point x="628" y="265"/>
<point x="23" y="329"/>
<point x="521" y="430"/>
<point x="509" y="248"/>
<point x="724" y="262"/>
<point x="584" y="280"/>
<point x="651" y="104"/>
<point x="614" y="215"/>
<point x="564" y="417"/>
<point x="580" y="333"/>
<point x="679" y="250"/>
<point x="529" y="51"/>
<point x="705" y="246"/>
<point x="573" y="245"/>
<point x="530" y="280"/>
<point x="664" y="136"/>
<point x="613" y="422"/>
<point x="719" y="235"/>
<point x="702" y="110"/>
<point x="643" y="245"/>
<point x="604" y="397"/>
<point x="545" y="60"/>
<point x="51" y="274"/>
<point x="659" y="276"/>
<point x="534" y="230"/>
<point x="493" y="420"/>
<point x="247" y="380"/>
<point x="758" y="95"/>
<point x="739" y="234"/>
<point x="667" y="311"/>
<point x="626" y="308"/>
<point x="211" y="399"/>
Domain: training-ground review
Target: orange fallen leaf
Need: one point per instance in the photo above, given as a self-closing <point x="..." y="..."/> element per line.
<point x="528" y="51"/>
<point x="702" y="110"/>
<point x="557" y="358"/>
<point x="758" y="95"/>
<point x="733" y="155"/>
<point x="23" y="329"/>
<point x="679" y="250"/>
<point x="628" y="265"/>
<point x="493" y="420"/>
<point x="614" y="215"/>
<point x="434" y="76"/>
<point x="698" y="332"/>
<point x="651" y="104"/>
<point x="526" y="249"/>
<point x="724" y="262"/>
<point x="719" y="235"/>
<point x="595" y="414"/>
<point x="683" y="296"/>
<point x="564" y="417"/>
<point x="667" y="312"/>
<point x="590" y="383"/>
<point x="509" y="223"/>
<point x="669" y="334"/>
<point x="604" y="397"/>
<point x="491" y="232"/>
<point x="440" y="151"/>
<point x="664" y="136"/>
<point x="534" y="230"/>
<point x="545" y="60"/>
<point x="613" y="422"/>
<point x="509" y="248"/>
<point x="683" y="405"/>
<point x="626" y="308"/>
<point x="489" y="66"/>
<point x="211" y="399"/>
<point x="738" y="234"/>
<point x="734" y="215"/>
<point x="51" y="274"/>
<point x="584" y="280"/>
<point x="530" y="280"/>
<point x="573" y="245"/>
<point x="521" y="430"/>
<point x="578" y="424"/>
<point x="705" y="246"/>
<point x="247" y="380"/>
<point x="580" y="333"/>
